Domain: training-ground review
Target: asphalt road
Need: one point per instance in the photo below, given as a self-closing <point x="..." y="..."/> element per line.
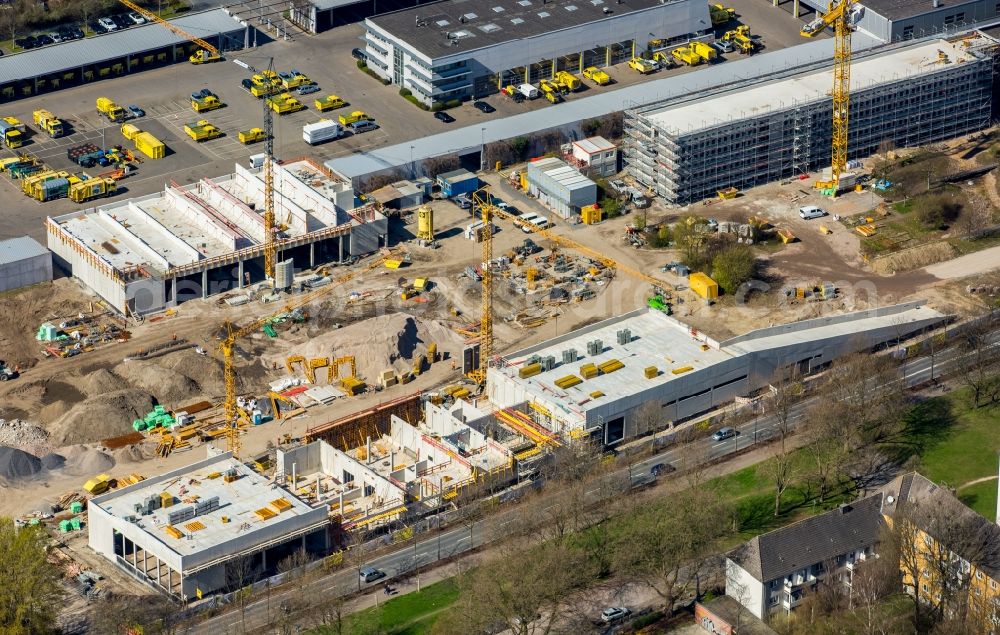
<point x="467" y="536"/>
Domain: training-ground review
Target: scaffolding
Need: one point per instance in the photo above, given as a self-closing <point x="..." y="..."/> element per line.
<point x="942" y="98"/>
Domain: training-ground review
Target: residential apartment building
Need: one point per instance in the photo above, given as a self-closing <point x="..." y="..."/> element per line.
<point x="949" y="554"/>
<point x="774" y="571"/>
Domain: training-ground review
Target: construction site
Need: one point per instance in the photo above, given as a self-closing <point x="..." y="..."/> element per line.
<point x="910" y="95"/>
<point x="149" y="254"/>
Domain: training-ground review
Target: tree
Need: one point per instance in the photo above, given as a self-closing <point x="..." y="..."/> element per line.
<point x="29" y="584"/>
<point x="667" y="551"/>
<point x="692" y="237"/>
<point x="784" y="392"/>
<point x="977" y="369"/>
<point x="733" y="266"/>
<point x="240" y="574"/>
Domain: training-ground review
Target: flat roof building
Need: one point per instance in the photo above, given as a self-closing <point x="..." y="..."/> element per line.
<point x="114" y="54"/>
<point x="765" y="130"/>
<point x="183" y="532"/>
<point x="23" y="262"/>
<point x="596" y="378"/>
<point x="895" y="20"/>
<point x="146" y="254"/>
<point x="560" y="186"/>
<point x="598" y="154"/>
<point x="470" y="48"/>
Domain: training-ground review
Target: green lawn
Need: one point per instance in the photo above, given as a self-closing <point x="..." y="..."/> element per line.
<point x="410" y="614"/>
<point x="962" y="447"/>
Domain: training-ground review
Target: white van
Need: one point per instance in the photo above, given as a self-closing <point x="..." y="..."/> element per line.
<point x="364" y="125"/>
<point x="528" y="91"/>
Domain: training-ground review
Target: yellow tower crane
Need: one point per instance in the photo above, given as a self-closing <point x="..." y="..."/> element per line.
<point x="270" y="245"/>
<point x="227" y="345"/>
<point x="208" y="53"/>
<point x="483" y="202"/>
<point x="839" y="17"/>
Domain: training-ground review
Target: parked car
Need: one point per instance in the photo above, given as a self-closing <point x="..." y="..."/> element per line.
<point x="108" y="24"/>
<point x="443" y="116"/>
<point x="56" y="36"/>
<point x="358" y="54"/>
<point x="657" y="469"/>
<point x="135" y="111"/>
<point x="136" y="18"/>
<point x="121" y="20"/>
<point x="77" y="32"/>
<point x="724" y="433"/>
<point x="364" y="125"/>
<point x="614" y="614"/>
<point x="462" y="201"/>
<point x="44" y="40"/>
<point x="26" y="42"/>
<point x="810" y="212"/>
<point x="370" y="574"/>
<point x="482" y="106"/>
<point x="308" y="89"/>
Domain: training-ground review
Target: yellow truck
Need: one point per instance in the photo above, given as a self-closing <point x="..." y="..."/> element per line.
<point x="641" y="65"/>
<point x="253" y="135"/>
<point x="204" y="57"/>
<point x="720" y="14"/>
<point x="52" y="125"/>
<point x="705" y="51"/>
<point x="357" y="115"/>
<point x="664" y="59"/>
<point x="111" y="110"/>
<point x="130" y="131"/>
<point x="330" y="102"/>
<point x="293" y="79"/>
<point x="204" y="103"/>
<point x="597" y="76"/>
<point x="686" y="55"/>
<point x="550" y="91"/>
<point x="85" y="190"/>
<point x="568" y="81"/>
<point x="201" y="130"/>
<point x="284" y="104"/>
<point x="12" y="131"/>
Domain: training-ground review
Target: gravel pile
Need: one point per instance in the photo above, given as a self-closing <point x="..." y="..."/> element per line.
<point x="17" y="464"/>
<point x="16" y="433"/>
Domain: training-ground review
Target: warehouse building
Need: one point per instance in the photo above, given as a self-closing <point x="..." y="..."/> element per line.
<point x="115" y="54"/>
<point x="560" y="187"/>
<point x="23" y="262"/>
<point x="457" y="49"/>
<point x="146" y="254"/>
<point x="214" y="525"/>
<point x="757" y="132"/>
<point x="592" y="381"/>
<point x="895" y="20"/>
<point x="316" y="16"/>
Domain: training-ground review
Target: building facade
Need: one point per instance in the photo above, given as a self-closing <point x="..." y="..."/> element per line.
<point x="895" y="20"/>
<point x="597" y="154"/>
<point x="766" y="131"/>
<point x="458" y="50"/>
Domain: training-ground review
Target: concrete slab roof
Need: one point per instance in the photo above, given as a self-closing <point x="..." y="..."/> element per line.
<point x="826" y="327"/>
<point x="901" y="9"/>
<point x="239" y="501"/>
<point x="699" y="114"/>
<point x="22" y="248"/>
<point x="108" y="46"/>
<point x="465" y="140"/>
<point x="656" y="340"/>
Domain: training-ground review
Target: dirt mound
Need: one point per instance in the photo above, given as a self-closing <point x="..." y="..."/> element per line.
<point x="17" y="464"/>
<point x="53" y="461"/>
<point x="175" y="379"/>
<point x="100" y="382"/>
<point x="378" y="343"/>
<point x="83" y="460"/>
<point x="101" y="417"/>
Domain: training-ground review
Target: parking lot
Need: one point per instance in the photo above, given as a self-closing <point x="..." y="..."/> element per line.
<point x="165" y="95"/>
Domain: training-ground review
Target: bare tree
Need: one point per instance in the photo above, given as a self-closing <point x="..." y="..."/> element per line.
<point x="240" y="574"/>
<point x="871" y="582"/>
<point x="784" y="393"/>
<point x="977" y="371"/>
<point x="294" y="567"/>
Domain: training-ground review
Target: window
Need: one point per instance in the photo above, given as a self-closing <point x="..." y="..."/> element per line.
<point x="774" y="599"/>
<point x="908" y="32"/>
<point x="979" y="575"/>
<point x="927" y="540"/>
<point x="960" y="17"/>
<point x="993" y="584"/>
<point x="949" y="20"/>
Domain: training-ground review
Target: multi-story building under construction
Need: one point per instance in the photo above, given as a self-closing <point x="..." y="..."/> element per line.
<point x="687" y="148"/>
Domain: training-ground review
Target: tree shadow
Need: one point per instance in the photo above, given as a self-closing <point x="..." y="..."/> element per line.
<point x="925" y="424"/>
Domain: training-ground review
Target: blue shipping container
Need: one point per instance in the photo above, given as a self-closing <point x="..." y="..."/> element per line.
<point x="458" y="182"/>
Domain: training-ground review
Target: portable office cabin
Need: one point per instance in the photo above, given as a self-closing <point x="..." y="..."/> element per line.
<point x="457" y="183"/>
<point x="560" y="186"/>
<point x="23" y="262"/>
<point x="597" y="153"/>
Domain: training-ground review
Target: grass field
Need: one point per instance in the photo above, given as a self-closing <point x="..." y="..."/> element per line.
<point x="410" y="614"/>
<point x="962" y="447"/>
